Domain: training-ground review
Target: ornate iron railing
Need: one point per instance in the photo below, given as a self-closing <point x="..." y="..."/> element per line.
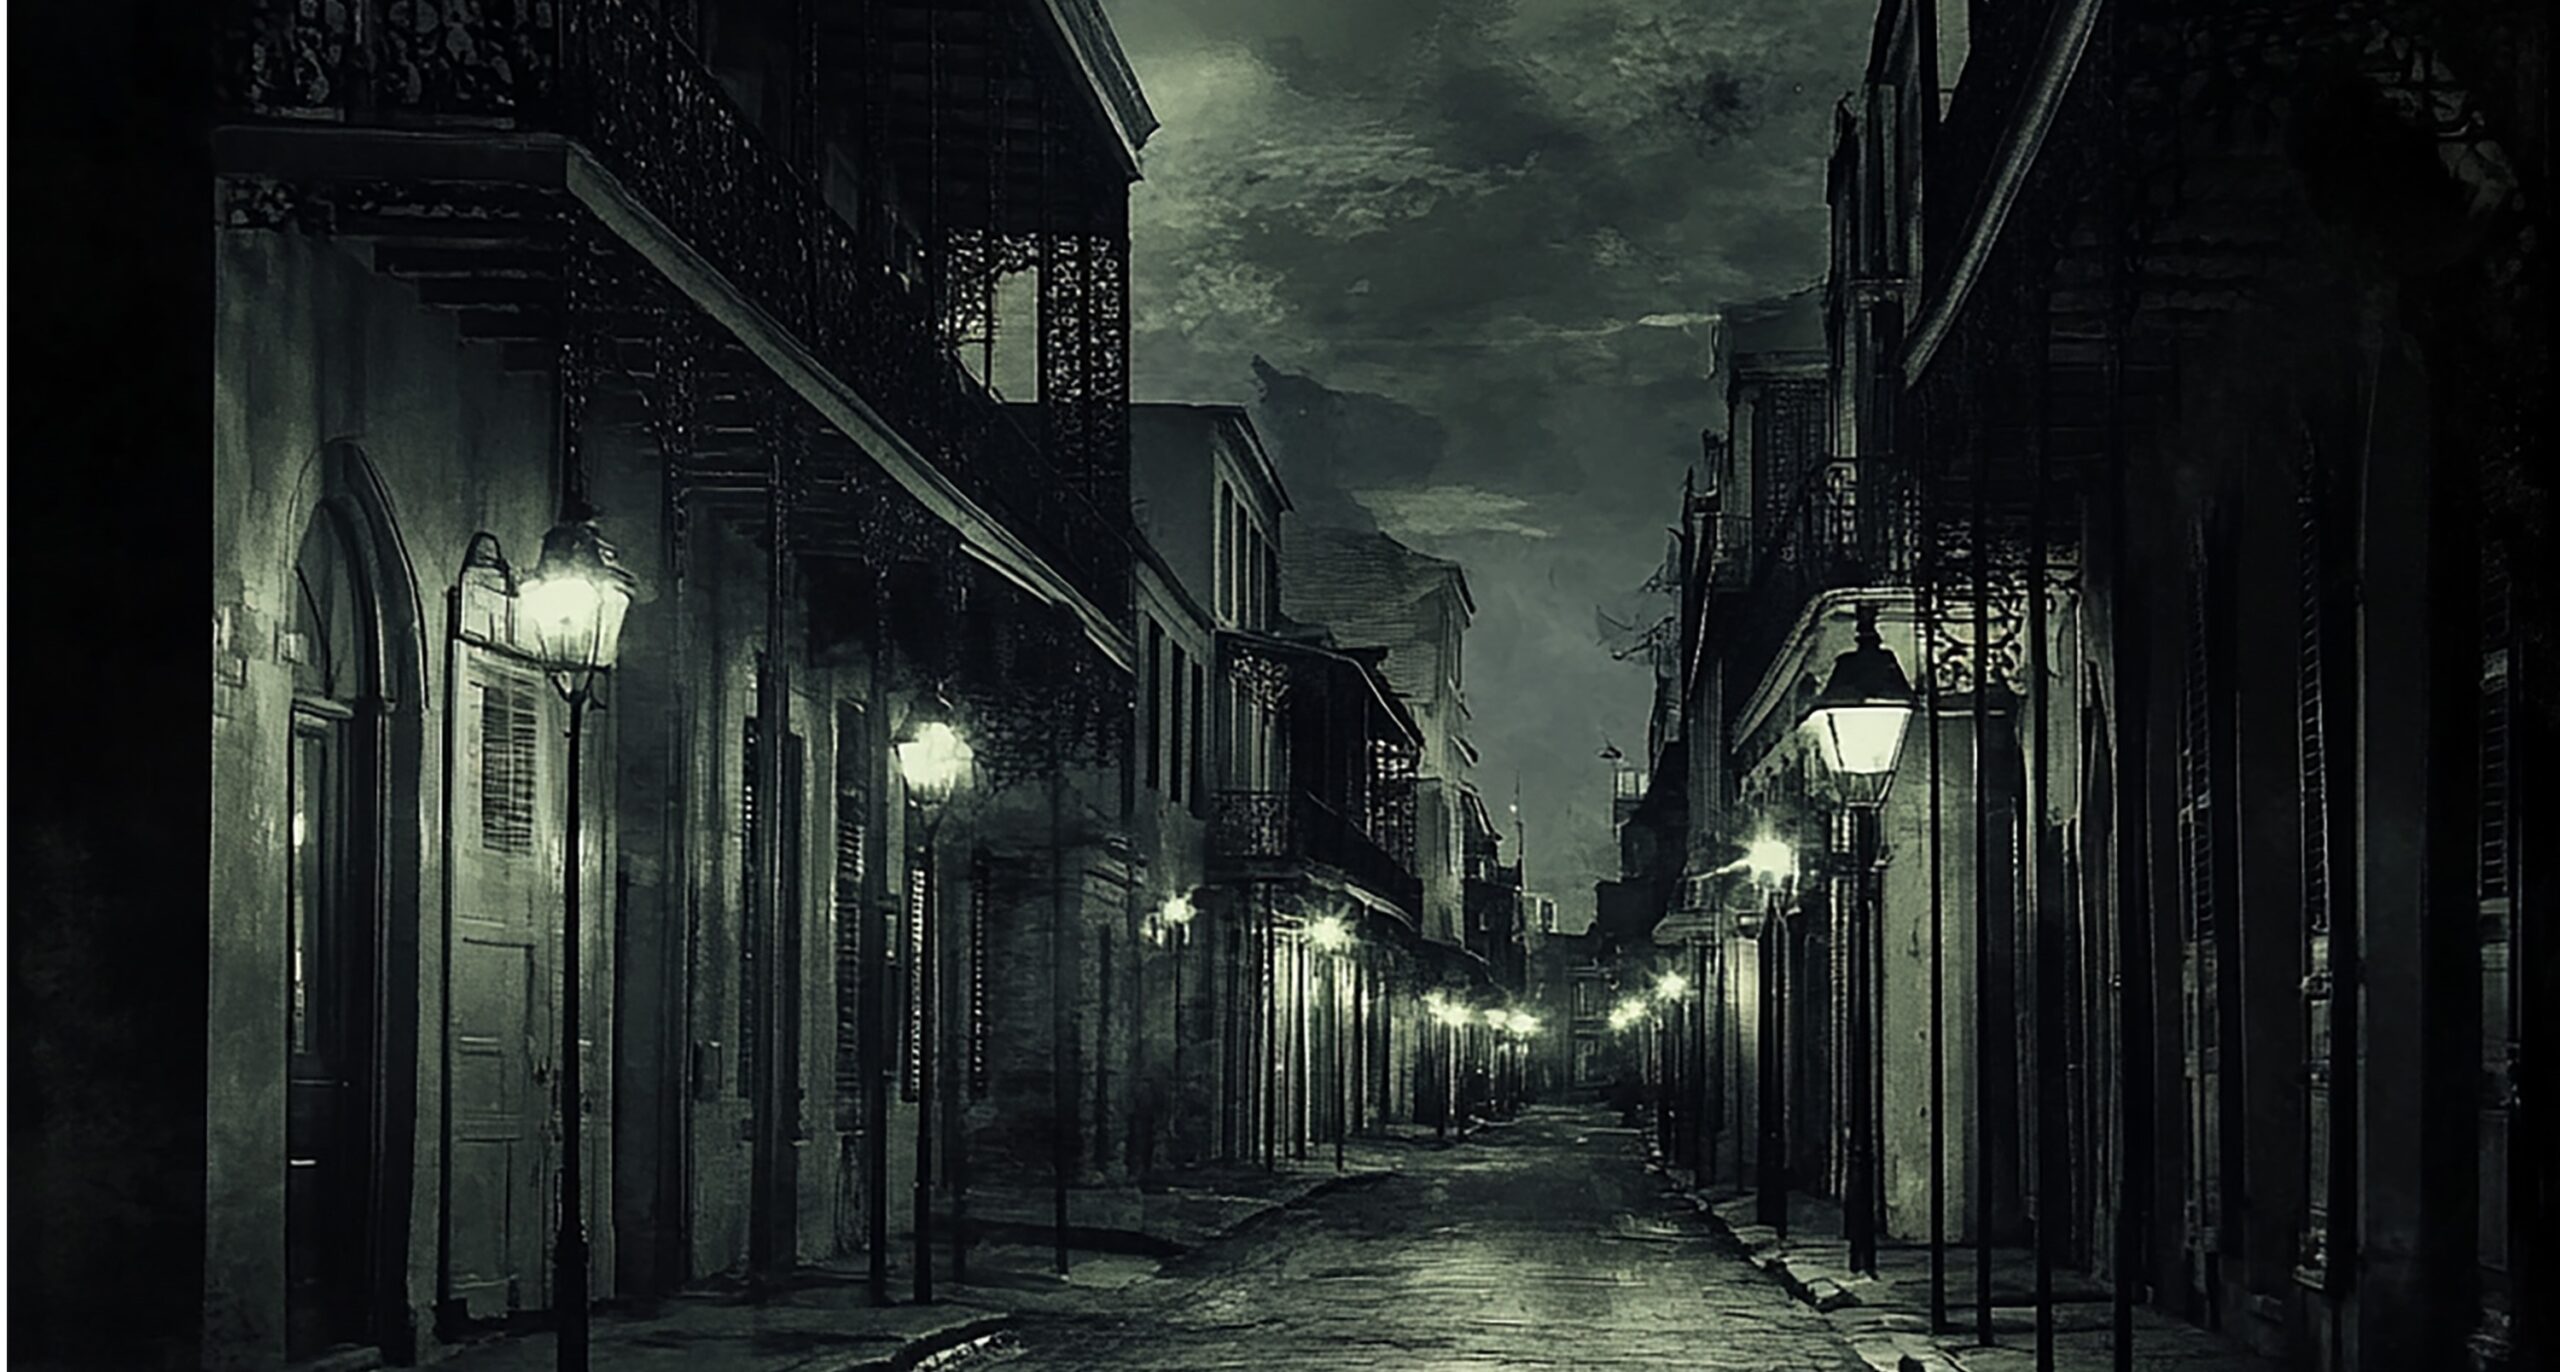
<point x="609" y="76"/>
<point x="1294" y="826"/>
<point x="1844" y="525"/>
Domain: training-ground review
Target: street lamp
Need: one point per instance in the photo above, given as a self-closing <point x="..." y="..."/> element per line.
<point x="934" y="758"/>
<point x="1450" y="1015"/>
<point x="1171" y="924"/>
<point x="1669" y="990"/>
<point x="1331" y="935"/>
<point x="1857" y="723"/>
<point x="573" y="605"/>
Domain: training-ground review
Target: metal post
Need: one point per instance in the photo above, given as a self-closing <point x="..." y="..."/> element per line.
<point x="1701" y="1141"/>
<point x="877" y="1063"/>
<point x="1062" y="1093"/>
<point x="955" y="1133"/>
<point x="1270" y="1038"/>
<point x="926" y="975"/>
<point x="1773" y="1070"/>
<point x="1447" y="1054"/>
<point x="1863" y="821"/>
<point x="569" y="1248"/>
<point x="1181" y="1083"/>
<point x="1658" y="1076"/>
<point x="1301" y="1099"/>
<point x="2052" y="1157"/>
<point x="1983" y="1023"/>
<point x="1360" y="1047"/>
<point x="1937" y="956"/>
<point x="1342" y="1117"/>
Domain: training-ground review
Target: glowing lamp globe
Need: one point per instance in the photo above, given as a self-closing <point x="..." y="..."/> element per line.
<point x="934" y="757"/>
<point x="1769" y="859"/>
<point x="573" y="604"/>
<point x="1178" y="910"/>
<point x="1671" y="986"/>
<point x="1859" y="718"/>
<point x="1523" y="1025"/>
<point x="1329" y="933"/>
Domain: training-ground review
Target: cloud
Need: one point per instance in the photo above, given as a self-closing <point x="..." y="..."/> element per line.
<point x="1470" y="260"/>
<point x="1439" y="512"/>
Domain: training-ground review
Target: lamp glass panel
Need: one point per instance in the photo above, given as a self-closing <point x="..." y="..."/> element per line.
<point x="1860" y="740"/>
<point x="614" y="604"/>
<point x="934" y="762"/>
<point x="564" y="615"/>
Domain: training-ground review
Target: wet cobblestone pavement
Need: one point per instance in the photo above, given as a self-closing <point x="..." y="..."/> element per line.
<point x="1543" y="1244"/>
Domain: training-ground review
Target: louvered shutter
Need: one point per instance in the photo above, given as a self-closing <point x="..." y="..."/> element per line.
<point x="919" y="904"/>
<point x="981" y="870"/>
<point x="750" y="884"/>
<point x="2496" y="882"/>
<point x="852" y="868"/>
<point x="510" y="747"/>
<point x="2327" y="958"/>
<point x="2197" y="909"/>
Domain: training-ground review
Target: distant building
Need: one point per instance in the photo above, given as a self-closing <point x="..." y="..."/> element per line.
<point x="1372" y="592"/>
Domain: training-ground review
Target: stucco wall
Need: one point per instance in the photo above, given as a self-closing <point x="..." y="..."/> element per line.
<point x="312" y="347"/>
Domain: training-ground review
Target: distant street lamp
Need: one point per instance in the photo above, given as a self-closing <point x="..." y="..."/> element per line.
<point x="1857" y="722"/>
<point x="1330" y="935"/>
<point x="573" y="605"/>
<point x="1171" y="924"/>
<point x="1670" y="991"/>
<point x="1517" y="1027"/>
<point x="1450" y="1015"/>
<point x="934" y="758"/>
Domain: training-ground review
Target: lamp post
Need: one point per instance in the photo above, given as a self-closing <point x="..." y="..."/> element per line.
<point x="573" y="605"/>
<point x="1171" y="925"/>
<point x="1857" y="723"/>
<point x="1670" y="989"/>
<point x="933" y="759"/>
<point x="1332" y="937"/>
<point x="1449" y="1014"/>
<point x="1628" y="1014"/>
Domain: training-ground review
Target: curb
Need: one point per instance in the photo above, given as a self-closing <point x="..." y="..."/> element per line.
<point x="1825" y="1296"/>
<point x="938" y="1348"/>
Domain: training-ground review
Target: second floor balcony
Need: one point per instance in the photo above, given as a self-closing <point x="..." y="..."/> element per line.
<point x="1280" y="829"/>
<point x="851" y="177"/>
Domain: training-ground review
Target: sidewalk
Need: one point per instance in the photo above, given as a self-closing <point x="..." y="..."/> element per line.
<point x="824" y="1321"/>
<point x="1885" y="1318"/>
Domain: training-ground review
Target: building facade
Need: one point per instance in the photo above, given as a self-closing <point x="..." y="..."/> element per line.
<point x="2172" y="449"/>
<point x="677" y="274"/>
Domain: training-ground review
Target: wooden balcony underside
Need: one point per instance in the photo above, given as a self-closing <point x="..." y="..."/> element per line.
<point x="478" y="222"/>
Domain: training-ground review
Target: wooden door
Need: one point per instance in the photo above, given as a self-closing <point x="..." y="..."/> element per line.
<point x="503" y="825"/>
<point x="330" y="1011"/>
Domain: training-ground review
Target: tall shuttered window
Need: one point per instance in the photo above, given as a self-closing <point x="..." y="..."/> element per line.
<point x="2499" y="985"/>
<point x="919" y="904"/>
<point x="2326" y="957"/>
<point x="1175" y="774"/>
<point x="750" y="886"/>
<point x="2209" y="966"/>
<point x="1199" y="746"/>
<point x="854" y="789"/>
<point x="1155" y="705"/>
<point x="510" y="748"/>
<point x="981" y="873"/>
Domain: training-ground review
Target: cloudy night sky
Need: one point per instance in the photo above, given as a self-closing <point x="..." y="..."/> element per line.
<point x="1464" y="257"/>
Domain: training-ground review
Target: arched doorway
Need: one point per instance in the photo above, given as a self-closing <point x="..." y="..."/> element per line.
<point x="334" y="916"/>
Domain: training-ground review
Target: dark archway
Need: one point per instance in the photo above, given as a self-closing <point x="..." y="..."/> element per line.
<point x="350" y="907"/>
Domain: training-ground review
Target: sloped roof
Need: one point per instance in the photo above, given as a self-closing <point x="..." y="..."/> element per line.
<point x="1372" y="591"/>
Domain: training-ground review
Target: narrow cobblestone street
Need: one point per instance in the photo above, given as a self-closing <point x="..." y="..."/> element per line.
<point x="1543" y="1244"/>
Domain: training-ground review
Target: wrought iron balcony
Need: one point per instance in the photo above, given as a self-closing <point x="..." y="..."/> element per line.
<point x="1845" y="525"/>
<point x="609" y="77"/>
<point x="1292" y="826"/>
